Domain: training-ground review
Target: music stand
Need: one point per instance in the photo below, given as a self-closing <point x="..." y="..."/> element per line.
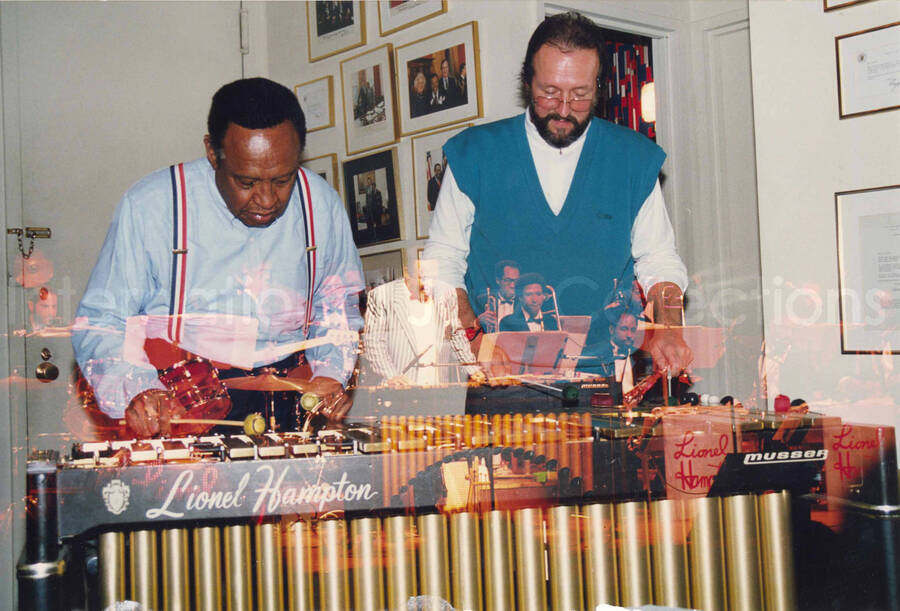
<point x="519" y="352"/>
<point x="576" y="328"/>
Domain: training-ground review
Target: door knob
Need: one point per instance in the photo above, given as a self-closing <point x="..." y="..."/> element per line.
<point x="46" y="372"/>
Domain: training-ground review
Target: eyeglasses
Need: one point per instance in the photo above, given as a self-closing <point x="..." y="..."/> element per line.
<point x="552" y="102"/>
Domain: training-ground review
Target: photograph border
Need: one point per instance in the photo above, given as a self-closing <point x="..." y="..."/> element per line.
<point x="369" y="256"/>
<point x="466" y="33"/>
<point x="322" y="160"/>
<point x="416" y="14"/>
<point x="422" y="232"/>
<point x="328" y="102"/>
<point x="832" y="5"/>
<point x="353" y="142"/>
<point x="372" y="161"/>
<point x="322" y="50"/>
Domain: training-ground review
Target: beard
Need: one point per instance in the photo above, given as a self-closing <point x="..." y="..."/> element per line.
<point x="551" y="137"/>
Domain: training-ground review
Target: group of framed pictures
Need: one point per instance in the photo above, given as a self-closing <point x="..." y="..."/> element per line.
<point x="389" y="92"/>
<point x="868" y="220"/>
<point x="866" y="66"/>
<point x="428" y="84"/>
<point x="334" y="26"/>
<point x="371" y="189"/>
<point x="426" y="89"/>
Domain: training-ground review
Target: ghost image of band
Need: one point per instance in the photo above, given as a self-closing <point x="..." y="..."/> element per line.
<point x="629" y="362"/>
<point x="240" y="290"/>
<point x="498" y="301"/>
<point x="42" y="309"/>
<point x="529" y="314"/>
<point x="590" y="214"/>
<point x="413" y="336"/>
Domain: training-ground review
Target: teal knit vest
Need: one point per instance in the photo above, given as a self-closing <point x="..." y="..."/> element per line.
<point x="585" y="250"/>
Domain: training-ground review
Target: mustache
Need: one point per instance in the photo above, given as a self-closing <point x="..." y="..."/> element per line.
<point x="557" y="117"/>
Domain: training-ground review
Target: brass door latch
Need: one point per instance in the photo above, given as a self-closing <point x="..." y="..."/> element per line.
<point x="32" y="233"/>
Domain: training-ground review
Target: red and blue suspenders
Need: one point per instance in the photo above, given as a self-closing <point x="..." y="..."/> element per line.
<point x="309" y="225"/>
<point x="180" y="250"/>
<point x="179" y="253"/>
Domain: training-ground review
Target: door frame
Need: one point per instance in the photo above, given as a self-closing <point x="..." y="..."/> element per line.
<point x="13" y="421"/>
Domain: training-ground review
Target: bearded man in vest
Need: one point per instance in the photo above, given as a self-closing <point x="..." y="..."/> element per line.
<point x="569" y="196"/>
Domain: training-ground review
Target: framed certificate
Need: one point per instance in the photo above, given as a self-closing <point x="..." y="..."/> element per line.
<point x="868" y="238"/>
<point x="317" y="101"/>
<point x="868" y="70"/>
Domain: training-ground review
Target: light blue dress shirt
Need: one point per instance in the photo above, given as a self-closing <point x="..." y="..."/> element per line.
<point x="245" y="287"/>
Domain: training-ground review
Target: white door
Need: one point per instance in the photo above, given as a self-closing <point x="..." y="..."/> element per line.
<point x="95" y="96"/>
<point x="106" y="93"/>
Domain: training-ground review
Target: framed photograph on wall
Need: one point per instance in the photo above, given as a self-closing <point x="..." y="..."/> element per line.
<point x="867" y="70"/>
<point x="868" y="241"/>
<point x="325" y="166"/>
<point x="382" y="267"/>
<point x="317" y="101"/>
<point x="831" y="5"/>
<point x="439" y="80"/>
<point x="333" y="27"/>
<point x="368" y="95"/>
<point x="428" y="169"/>
<point x="372" y="198"/>
<point x="395" y="15"/>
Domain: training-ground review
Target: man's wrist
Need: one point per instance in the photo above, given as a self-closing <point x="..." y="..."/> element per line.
<point x="151" y="393"/>
<point x="667" y="304"/>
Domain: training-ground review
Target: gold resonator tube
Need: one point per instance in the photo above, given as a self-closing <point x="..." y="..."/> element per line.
<point x="732" y="553"/>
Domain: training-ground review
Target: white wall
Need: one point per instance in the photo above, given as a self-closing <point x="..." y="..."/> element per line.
<point x="805" y="154"/>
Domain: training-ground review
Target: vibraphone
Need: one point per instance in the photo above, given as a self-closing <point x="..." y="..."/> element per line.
<point x="524" y="511"/>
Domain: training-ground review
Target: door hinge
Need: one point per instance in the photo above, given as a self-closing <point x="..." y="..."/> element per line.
<point x="245" y="32"/>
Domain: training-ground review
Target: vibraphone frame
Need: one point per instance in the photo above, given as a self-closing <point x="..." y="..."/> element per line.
<point x="575" y="545"/>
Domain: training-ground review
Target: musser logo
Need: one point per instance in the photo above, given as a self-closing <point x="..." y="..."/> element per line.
<point x="762" y="458"/>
